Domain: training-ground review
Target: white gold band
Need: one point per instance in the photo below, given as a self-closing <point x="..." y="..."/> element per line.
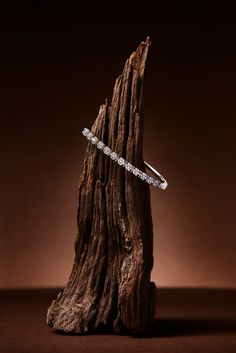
<point x="161" y="183"/>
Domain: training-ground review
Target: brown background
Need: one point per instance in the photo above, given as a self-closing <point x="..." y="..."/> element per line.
<point x="56" y="69"/>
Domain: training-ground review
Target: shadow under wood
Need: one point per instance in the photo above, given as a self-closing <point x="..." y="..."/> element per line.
<point x="176" y="327"/>
<point x="171" y="327"/>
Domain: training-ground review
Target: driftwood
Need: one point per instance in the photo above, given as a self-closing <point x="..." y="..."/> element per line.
<point x="109" y="288"/>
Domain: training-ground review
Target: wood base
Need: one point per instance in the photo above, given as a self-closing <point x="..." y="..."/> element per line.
<point x="109" y="287"/>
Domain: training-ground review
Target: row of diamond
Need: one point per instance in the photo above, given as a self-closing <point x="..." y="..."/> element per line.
<point x="121" y="161"/>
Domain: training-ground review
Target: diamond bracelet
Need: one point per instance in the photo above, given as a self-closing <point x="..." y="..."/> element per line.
<point x="161" y="184"/>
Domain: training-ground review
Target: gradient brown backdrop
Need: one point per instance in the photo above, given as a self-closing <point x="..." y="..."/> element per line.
<point x="55" y="72"/>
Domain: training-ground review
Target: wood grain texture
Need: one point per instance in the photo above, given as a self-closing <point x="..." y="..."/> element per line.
<point x="109" y="288"/>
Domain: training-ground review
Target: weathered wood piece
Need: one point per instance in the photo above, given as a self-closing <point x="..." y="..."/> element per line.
<point x="109" y="286"/>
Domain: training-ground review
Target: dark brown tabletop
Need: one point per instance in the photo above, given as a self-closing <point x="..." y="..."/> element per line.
<point x="187" y="320"/>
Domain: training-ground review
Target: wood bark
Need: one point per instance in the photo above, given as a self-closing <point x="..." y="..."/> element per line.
<point x="109" y="287"/>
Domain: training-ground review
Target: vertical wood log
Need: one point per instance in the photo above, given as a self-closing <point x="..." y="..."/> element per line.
<point x="109" y="286"/>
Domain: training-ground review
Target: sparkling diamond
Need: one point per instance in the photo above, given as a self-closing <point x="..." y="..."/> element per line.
<point x="136" y="171"/>
<point x="150" y="180"/>
<point x="143" y="176"/>
<point x="128" y="166"/>
<point x="121" y="161"/>
<point x="156" y="183"/>
<point x="100" y="145"/>
<point x="114" y="156"/>
<point x="94" y="140"/>
<point x="89" y="136"/>
<point x="107" y="150"/>
<point x="85" y="131"/>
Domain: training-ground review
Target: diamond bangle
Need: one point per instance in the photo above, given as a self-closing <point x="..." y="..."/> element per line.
<point x="160" y="183"/>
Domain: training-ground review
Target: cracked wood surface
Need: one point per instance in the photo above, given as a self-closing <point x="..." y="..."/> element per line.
<point x="109" y="287"/>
